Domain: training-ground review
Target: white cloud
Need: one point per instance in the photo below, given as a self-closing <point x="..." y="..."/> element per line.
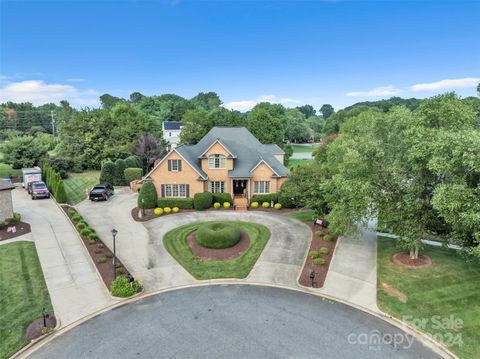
<point x="39" y="92"/>
<point x="389" y="90"/>
<point x="245" y="105"/>
<point x="446" y="84"/>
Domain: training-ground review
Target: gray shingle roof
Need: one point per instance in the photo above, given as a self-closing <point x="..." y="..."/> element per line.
<point x="172" y="125"/>
<point x="245" y="148"/>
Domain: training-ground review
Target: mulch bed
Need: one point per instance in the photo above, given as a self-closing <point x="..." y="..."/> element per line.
<point x="102" y="258"/>
<point x="34" y="330"/>
<point x="21" y="227"/>
<point x="403" y="259"/>
<point x="320" y="270"/>
<point x="218" y="254"/>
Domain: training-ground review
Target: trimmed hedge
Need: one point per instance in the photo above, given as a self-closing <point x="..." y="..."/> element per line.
<point x="222" y="198"/>
<point x="148" y="193"/>
<point x="132" y="173"/>
<point x="107" y="174"/>
<point x="265" y="198"/>
<point x="202" y="201"/>
<point x="218" y="235"/>
<point x="182" y="203"/>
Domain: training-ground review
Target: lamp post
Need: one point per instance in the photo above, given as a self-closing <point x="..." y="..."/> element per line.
<point x="143" y="207"/>
<point x="45" y="315"/>
<point x="114" y="234"/>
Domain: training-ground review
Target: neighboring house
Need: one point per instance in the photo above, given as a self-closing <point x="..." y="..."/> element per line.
<point x="171" y="132"/>
<point x="6" y="205"/>
<point x="227" y="159"/>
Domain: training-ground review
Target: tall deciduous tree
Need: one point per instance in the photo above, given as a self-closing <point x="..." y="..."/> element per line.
<point x="148" y="149"/>
<point x="307" y="110"/>
<point x="266" y="127"/>
<point x="326" y="110"/>
<point x="207" y="100"/>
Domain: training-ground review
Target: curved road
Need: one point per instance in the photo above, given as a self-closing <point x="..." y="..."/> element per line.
<point x="234" y="321"/>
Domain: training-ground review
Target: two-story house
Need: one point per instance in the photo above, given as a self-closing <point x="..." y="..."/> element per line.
<point x="227" y="159"/>
<point x="171" y="132"/>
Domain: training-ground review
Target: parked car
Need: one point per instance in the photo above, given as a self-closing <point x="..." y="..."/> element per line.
<point x="38" y="189"/>
<point x="101" y="191"/>
<point x="8" y="180"/>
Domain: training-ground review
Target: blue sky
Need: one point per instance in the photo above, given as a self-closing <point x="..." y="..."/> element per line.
<point x="292" y="52"/>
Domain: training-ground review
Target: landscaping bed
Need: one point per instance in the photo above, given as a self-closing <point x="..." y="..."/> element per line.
<point x="319" y="257"/>
<point x="447" y="292"/>
<point x="101" y="255"/>
<point x="177" y="244"/>
<point x="218" y="254"/>
<point x="23" y="296"/>
<point x="22" y="228"/>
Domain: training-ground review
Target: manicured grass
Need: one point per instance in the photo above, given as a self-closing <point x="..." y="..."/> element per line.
<point x="77" y="184"/>
<point x="294" y="162"/>
<point x="302" y="215"/>
<point x="23" y="294"/>
<point x="303" y="149"/>
<point x="7" y="171"/>
<point x="176" y="243"/>
<point x="451" y="287"/>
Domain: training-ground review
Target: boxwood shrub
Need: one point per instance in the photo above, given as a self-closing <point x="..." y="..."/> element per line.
<point x="86" y="232"/>
<point x="218" y="235"/>
<point x="222" y="198"/>
<point x="202" y="200"/>
<point x="120" y="287"/>
<point x="319" y="261"/>
<point x="148" y="193"/>
<point x="182" y="203"/>
<point x="265" y="198"/>
<point x="327" y="238"/>
<point x="81" y="225"/>
<point x="323" y="250"/>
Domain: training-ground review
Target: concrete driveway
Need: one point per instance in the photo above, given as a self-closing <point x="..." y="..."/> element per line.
<point x="141" y="249"/>
<point x="75" y="288"/>
<point x="235" y="321"/>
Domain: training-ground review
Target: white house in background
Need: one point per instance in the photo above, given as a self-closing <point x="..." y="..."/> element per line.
<point x="171" y="132"/>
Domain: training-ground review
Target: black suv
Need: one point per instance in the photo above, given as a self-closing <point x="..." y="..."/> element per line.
<point x="101" y="191"/>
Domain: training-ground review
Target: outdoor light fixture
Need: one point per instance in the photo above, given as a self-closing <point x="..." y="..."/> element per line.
<point x="114" y="234"/>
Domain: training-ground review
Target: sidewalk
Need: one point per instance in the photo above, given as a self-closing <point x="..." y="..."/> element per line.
<point x="75" y="288"/>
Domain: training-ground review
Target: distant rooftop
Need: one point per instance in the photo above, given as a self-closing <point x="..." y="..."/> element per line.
<point x="172" y="125"/>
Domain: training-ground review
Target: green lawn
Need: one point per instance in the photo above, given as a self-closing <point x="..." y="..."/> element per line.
<point x="7" y="171"/>
<point x="302" y="215"/>
<point x="176" y="243"/>
<point x="303" y="149"/>
<point x="294" y="162"/>
<point x="77" y="184"/>
<point x="451" y="287"/>
<point x="23" y="294"/>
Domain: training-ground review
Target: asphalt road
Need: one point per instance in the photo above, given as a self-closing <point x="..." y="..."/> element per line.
<point x="234" y="321"/>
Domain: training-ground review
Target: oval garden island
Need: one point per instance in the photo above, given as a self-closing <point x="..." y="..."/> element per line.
<point x="217" y="249"/>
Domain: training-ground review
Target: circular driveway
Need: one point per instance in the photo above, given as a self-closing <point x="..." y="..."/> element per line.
<point x="234" y="321"/>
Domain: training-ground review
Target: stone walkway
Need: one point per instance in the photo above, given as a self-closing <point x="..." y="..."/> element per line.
<point x="75" y="288"/>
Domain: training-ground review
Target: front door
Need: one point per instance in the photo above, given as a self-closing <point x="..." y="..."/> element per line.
<point x="239" y="186"/>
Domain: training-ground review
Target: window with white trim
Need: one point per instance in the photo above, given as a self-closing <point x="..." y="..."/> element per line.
<point x="174" y="165"/>
<point x="261" y="187"/>
<point x="217" y="161"/>
<point x="175" y="190"/>
<point x="216" y="186"/>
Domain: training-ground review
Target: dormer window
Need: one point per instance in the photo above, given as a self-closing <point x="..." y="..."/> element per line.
<point x="217" y="161"/>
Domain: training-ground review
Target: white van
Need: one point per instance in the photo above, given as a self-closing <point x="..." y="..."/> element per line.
<point x="31" y="175"/>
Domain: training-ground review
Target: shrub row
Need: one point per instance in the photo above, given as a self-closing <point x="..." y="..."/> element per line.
<point x="54" y="182"/>
<point x="182" y="203"/>
<point x="82" y="226"/>
<point x="166" y="210"/>
<point x="121" y="172"/>
<point x="222" y="198"/>
<point x="265" y="198"/>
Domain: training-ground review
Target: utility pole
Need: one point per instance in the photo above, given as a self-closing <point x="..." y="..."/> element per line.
<point x="53" y="123"/>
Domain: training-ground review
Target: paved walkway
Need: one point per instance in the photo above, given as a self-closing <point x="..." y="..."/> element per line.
<point x="140" y="246"/>
<point x="75" y="288"/>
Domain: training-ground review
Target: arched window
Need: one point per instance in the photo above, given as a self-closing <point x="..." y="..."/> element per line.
<point x="217" y="161"/>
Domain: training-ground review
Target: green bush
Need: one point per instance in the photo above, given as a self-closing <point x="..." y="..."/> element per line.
<point x="60" y="193"/>
<point x="158" y="211"/>
<point x="107" y="174"/>
<point x="217" y="205"/>
<point x="323" y="250"/>
<point x="81" y="225"/>
<point x="120" y="287"/>
<point x="133" y="162"/>
<point x="222" y="198"/>
<point x="254" y="205"/>
<point x="182" y="203"/>
<point x="278" y="206"/>
<point x="149" y="194"/>
<point x="175" y="209"/>
<point x="265" y="198"/>
<point x="93" y="236"/>
<point x="226" y="205"/>
<point x="313" y="254"/>
<point x="202" y="201"/>
<point x="119" y="179"/>
<point x="218" y="235"/>
<point x="132" y="173"/>
<point x="10" y="222"/>
<point x="17" y="217"/>
<point x="266" y="204"/>
<point x="71" y="211"/>
<point x="319" y="261"/>
<point x="327" y="238"/>
<point x="167" y="210"/>
<point x="85" y="232"/>
<point x="318" y="233"/>
<point x="76" y="218"/>
<point x="286" y="199"/>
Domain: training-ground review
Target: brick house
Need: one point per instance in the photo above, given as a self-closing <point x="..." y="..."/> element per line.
<point x="226" y="159"/>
